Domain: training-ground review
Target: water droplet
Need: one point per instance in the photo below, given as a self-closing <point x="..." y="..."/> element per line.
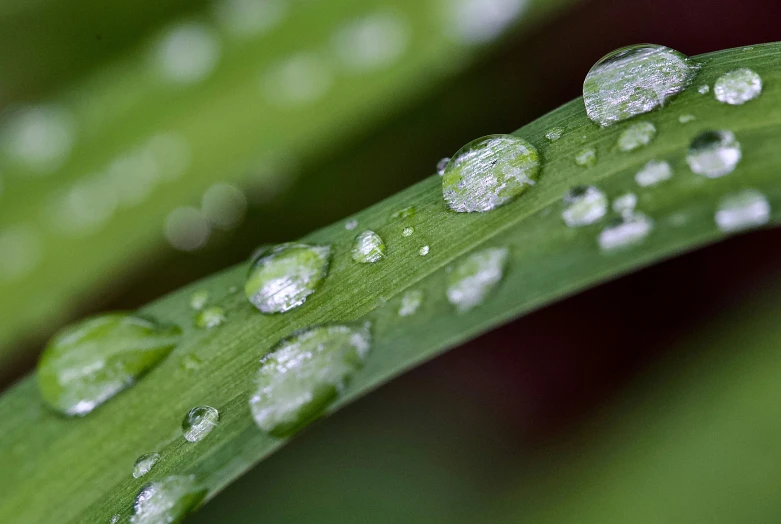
<point x="744" y="210"/>
<point x="281" y="278"/>
<point x="167" y="501"/>
<point x="738" y="87"/>
<point x="187" y="53"/>
<point x="407" y="212"/>
<point x="114" y="519"/>
<point x="210" y="317"/>
<point x="144" y="464"/>
<point x="410" y="302"/>
<point x="554" y="134"/>
<point x="423" y="251"/>
<point x="703" y="89"/>
<point x="88" y="363"/>
<point x="297" y="81"/>
<point x="407" y="231"/>
<point x="224" y="205"/>
<point x="475" y="277"/>
<point x="636" y="136"/>
<point x="250" y="18"/>
<point x="39" y="138"/>
<point x="714" y="154"/>
<point x="489" y="172"/>
<point x="586" y="157"/>
<point x="187" y="229"/>
<point x="625" y="232"/>
<point x="478" y="21"/>
<point x="199" y="422"/>
<point x="191" y="362"/>
<point x="351" y="224"/>
<point x="303" y="374"/>
<point x="625" y="204"/>
<point x="442" y="164"/>
<point x="372" y="42"/>
<point x="199" y="299"/>
<point x="584" y="205"/>
<point x="634" y="80"/>
<point x="368" y="248"/>
<point x="685" y="119"/>
<point x="654" y="172"/>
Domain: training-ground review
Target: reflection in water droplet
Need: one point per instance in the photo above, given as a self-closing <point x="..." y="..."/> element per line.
<point x="407" y="231"/>
<point x="187" y="53"/>
<point x="625" y="204"/>
<point x="305" y="373"/>
<point x="88" y="363"/>
<point x="489" y="172"/>
<point x="423" y="251"/>
<point x="584" y="205"/>
<point x="475" y="277"/>
<point x="199" y="299"/>
<point x="714" y="154"/>
<point x="368" y="248"/>
<point x="654" y="172"/>
<point x="743" y="210"/>
<point x="738" y="87"/>
<point x="199" y="422"/>
<point x="636" y="136"/>
<point x="634" y="80"/>
<point x="224" y="205"/>
<point x="442" y="164"/>
<point x="586" y="157"/>
<point x="187" y="229"/>
<point x="625" y="232"/>
<point x="554" y="134"/>
<point x="38" y="138"/>
<point x="144" y="464"/>
<point x="478" y="21"/>
<point x="167" y="501"/>
<point x="410" y="302"/>
<point x="372" y="42"/>
<point x="210" y="317"/>
<point x="297" y="81"/>
<point x="351" y="224"/>
<point x="685" y="119"/>
<point x="21" y="251"/>
<point x="281" y="278"/>
<point x="249" y="18"/>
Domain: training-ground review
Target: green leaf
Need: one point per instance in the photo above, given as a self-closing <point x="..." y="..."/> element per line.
<point x="65" y="470"/>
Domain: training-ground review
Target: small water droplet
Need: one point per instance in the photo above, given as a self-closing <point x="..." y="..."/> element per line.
<point x="305" y="373"/>
<point x="368" y="248"/>
<point x="351" y="224"/>
<point x="738" y="87"/>
<point x="407" y="231"/>
<point x="167" y="501"/>
<point x="703" y="89"/>
<point x="634" y="80"/>
<point x="423" y="251"/>
<point x="210" y="317"/>
<point x="282" y="277"/>
<point x="489" y="172"/>
<point x="584" y="205"/>
<point x="685" y="119"/>
<point x="554" y="134"/>
<point x="199" y="299"/>
<point x="744" y="210"/>
<point x="88" y="363"/>
<point x="187" y="53"/>
<point x="475" y="277"/>
<point x="187" y="229"/>
<point x="144" y="464"/>
<point x="410" y="302"/>
<point x="38" y="138"/>
<point x="586" y="157"/>
<point x="114" y="519"/>
<point x="191" y="362"/>
<point x="625" y="204"/>
<point x="407" y="212"/>
<point x="714" y="154"/>
<point x="199" y="422"/>
<point x="442" y="164"/>
<point x="625" y="232"/>
<point x="654" y="172"/>
<point x="636" y="136"/>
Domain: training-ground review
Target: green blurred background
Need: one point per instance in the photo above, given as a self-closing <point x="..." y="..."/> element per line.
<point x="145" y="145"/>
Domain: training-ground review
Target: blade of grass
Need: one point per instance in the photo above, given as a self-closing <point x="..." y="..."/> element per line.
<point x="79" y="470"/>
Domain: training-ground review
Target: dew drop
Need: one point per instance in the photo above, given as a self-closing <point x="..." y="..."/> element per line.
<point x="210" y="317"/>
<point x="703" y="89"/>
<point x="714" y="154"/>
<point x="624" y="232"/>
<point x="305" y="373"/>
<point x="584" y="205"/>
<point x="167" y="501"/>
<point x="368" y="248"/>
<point x="654" y="172"/>
<point x="441" y="165"/>
<point x="634" y="80"/>
<point x="199" y="422"/>
<point x="475" y="277"/>
<point x="738" y="87"/>
<point x="625" y="204"/>
<point x="282" y="277"/>
<point x="199" y="299"/>
<point x="86" y="364"/>
<point x="489" y="172"/>
<point x="407" y="231"/>
<point x="114" y="519"/>
<point x="554" y="134"/>
<point x="144" y="464"/>
<point x="410" y="302"/>
<point x="351" y="224"/>
<point x="191" y="362"/>
<point x="423" y="251"/>
<point x="407" y="212"/>
<point x="636" y="136"/>
<point x="686" y="119"/>
<point x="743" y="210"/>
<point x="586" y="157"/>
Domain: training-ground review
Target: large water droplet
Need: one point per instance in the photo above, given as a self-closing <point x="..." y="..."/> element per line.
<point x="743" y="210"/>
<point x="586" y="157"/>
<point x="281" y="278"/>
<point x="584" y="205"/>
<point x="167" y="501"/>
<point x="199" y="422"/>
<point x="476" y="276"/>
<point x="738" y="87"/>
<point x="636" y="136"/>
<point x="489" y="172"/>
<point x="368" y="248"/>
<point x="624" y="232"/>
<point x="634" y="80"/>
<point x="303" y="374"/>
<point x="210" y="317"/>
<point x="144" y="464"/>
<point x="88" y="363"/>
<point x="410" y="302"/>
<point x="714" y="154"/>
